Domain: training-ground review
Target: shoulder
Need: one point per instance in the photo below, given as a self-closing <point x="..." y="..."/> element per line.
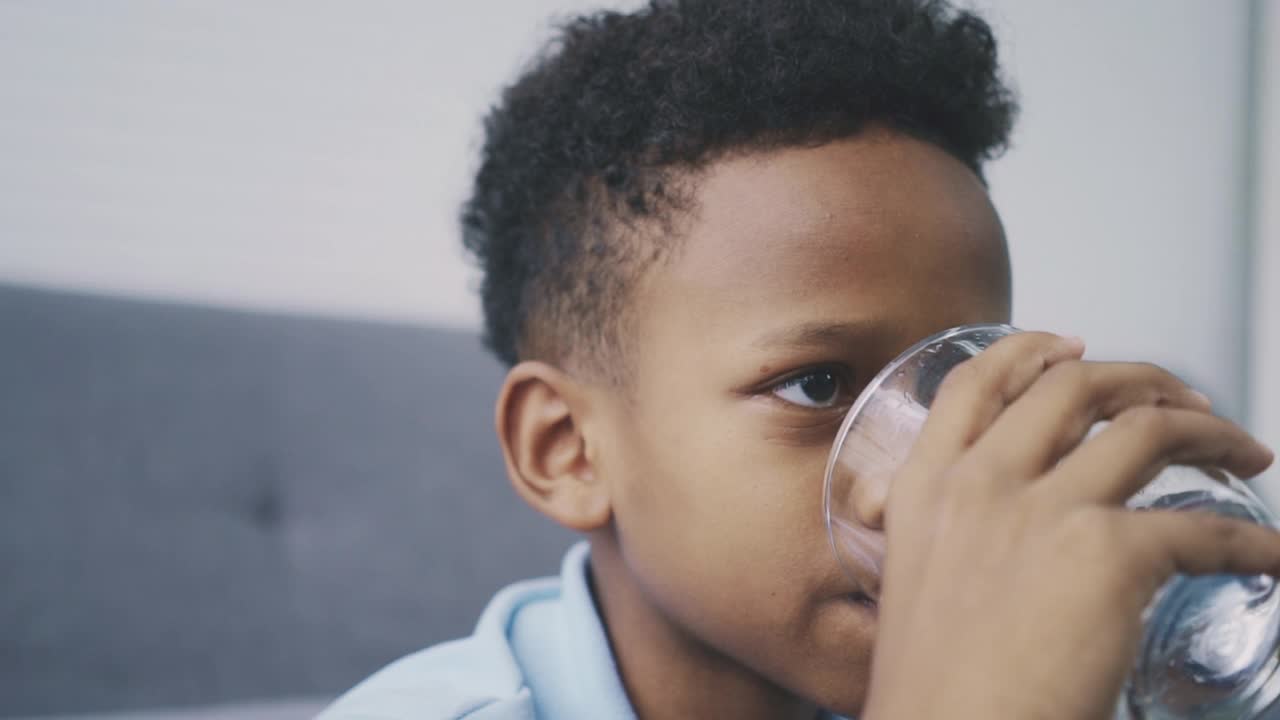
<point x="451" y="681"/>
<point x="476" y="678"/>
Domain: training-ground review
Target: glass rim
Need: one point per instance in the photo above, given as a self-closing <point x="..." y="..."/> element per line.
<point x="865" y="396"/>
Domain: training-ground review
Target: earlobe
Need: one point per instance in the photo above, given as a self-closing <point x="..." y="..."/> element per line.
<point x="541" y="421"/>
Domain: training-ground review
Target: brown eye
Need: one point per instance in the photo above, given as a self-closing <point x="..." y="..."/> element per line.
<point x="815" y="389"/>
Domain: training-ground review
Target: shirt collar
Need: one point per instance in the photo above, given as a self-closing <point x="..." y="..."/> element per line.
<point x="586" y="643"/>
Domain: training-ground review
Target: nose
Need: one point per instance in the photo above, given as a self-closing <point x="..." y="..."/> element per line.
<point x="868" y="496"/>
<point x="857" y="509"/>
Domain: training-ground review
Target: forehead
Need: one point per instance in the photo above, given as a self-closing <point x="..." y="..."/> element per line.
<point x="879" y="230"/>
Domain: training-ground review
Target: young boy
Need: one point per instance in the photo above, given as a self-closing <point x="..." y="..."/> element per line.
<point x="704" y="225"/>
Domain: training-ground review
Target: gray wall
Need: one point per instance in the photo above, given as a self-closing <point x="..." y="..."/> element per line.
<point x="202" y="506"/>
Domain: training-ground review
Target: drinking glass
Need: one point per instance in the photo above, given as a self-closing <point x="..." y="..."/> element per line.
<point x="1210" y="645"/>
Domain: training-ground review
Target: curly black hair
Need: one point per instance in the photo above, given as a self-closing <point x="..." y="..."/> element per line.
<point x="580" y="173"/>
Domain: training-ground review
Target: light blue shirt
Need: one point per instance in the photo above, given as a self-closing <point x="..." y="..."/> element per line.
<point x="539" y="652"/>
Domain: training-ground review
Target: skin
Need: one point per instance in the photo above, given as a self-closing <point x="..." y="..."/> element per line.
<point x="699" y="483"/>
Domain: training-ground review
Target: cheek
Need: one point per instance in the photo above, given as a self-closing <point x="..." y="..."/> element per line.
<point x="722" y="529"/>
<point x="721" y="525"/>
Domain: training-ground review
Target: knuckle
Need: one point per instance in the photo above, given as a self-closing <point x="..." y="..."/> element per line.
<point x="1100" y="544"/>
<point x="1073" y="376"/>
<point x="1089" y="533"/>
<point x="1221" y="529"/>
<point x="1135" y="553"/>
<point x="966" y="376"/>
<point x="1159" y="377"/>
<point x="1148" y="422"/>
<point x="1154" y="370"/>
<point x="1034" y="340"/>
<point x="1020" y="345"/>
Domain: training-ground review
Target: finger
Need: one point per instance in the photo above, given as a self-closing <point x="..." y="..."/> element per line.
<point x="1056" y="412"/>
<point x="1129" y="452"/>
<point x="1199" y="543"/>
<point x="976" y="391"/>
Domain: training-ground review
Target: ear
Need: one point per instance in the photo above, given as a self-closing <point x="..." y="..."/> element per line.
<point x="541" y="417"/>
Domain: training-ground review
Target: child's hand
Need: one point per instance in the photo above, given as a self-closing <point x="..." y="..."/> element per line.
<point x="1015" y="578"/>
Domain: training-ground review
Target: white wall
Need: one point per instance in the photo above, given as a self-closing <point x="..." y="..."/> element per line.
<point x="305" y="155"/>
<point x="1264" y="405"/>
<point x="1122" y="194"/>
<point x="295" y="154"/>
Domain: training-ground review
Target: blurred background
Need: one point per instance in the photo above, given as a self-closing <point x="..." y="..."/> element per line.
<point x="245" y="446"/>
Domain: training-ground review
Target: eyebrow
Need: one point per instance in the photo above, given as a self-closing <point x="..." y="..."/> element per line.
<point x="815" y="334"/>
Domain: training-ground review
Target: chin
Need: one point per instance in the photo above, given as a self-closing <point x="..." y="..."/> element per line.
<point x="845" y="699"/>
<point x="840" y="676"/>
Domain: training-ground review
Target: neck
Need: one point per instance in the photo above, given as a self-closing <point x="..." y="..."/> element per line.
<point x="667" y="672"/>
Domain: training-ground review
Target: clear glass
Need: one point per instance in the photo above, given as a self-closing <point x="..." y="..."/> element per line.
<point x="1211" y="643"/>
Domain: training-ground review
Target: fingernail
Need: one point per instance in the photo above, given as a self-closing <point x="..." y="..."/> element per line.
<point x="1074" y="342"/>
<point x="1204" y="399"/>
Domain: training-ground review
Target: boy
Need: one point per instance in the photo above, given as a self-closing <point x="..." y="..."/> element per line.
<point x="703" y="226"/>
